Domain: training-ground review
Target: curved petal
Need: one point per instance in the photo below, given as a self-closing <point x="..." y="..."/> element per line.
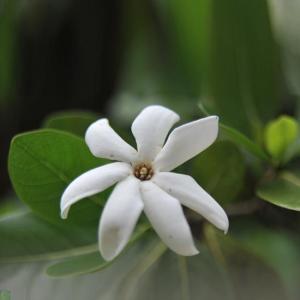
<point x="150" y="129"/>
<point x="92" y="182"/>
<point x="119" y="217"/>
<point x="167" y="218"/>
<point x="104" y="142"/>
<point x="190" y="194"/>
<point x="187" y="141"/>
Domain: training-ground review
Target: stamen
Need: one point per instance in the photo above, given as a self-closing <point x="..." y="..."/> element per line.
<point x="143" y="171"/>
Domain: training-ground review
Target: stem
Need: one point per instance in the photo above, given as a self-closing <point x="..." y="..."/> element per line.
<point x="184" y="278"/>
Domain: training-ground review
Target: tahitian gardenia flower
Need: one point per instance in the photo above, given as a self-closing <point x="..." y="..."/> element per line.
<point x="144" y="181"/>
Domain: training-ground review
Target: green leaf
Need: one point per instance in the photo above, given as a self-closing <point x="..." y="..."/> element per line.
<point x="75" y="122"/>
<point x="278" y="248"/>
<point x="170" y="276"/>
<point x="247" y="270"/>
<point x="221" y="171"/>
<point x="150" y="271"/>
<point x="86" y="263"/>
<point x="244" y="142"/>
<point x="91" y="262"/>
<point x="238" y="138"/>
<point x="279" y="135"/>
<point x="242" y="69"/>
<point x="5" y="295"/>
<point x="283" y="191"/>
<point x="186" y="26"/>
<point x="10" y="205"/>
<point x="26" y="237"/>
<point x="30" y="278"/>
<point x="293" y="151"/>
<point x="286" y="23"/>
<point x="41" y="165"/>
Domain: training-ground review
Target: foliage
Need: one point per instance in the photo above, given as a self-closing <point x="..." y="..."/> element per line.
<point x="279" y="136"/>
<point x="5" y="295"/>
<point x="230" y="58"/>
<point x="75" y="122"/>
<point x="42" y="163"/>
<point x="284" y="190"/>
<point x="221" y="170"/>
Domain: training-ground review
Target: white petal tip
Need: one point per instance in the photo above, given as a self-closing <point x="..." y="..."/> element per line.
<point x="110" y="246"/>
<point x="64" y="213"/>
<point x="215" y="118"/>
<point x="226" y="230"/>
<point x="90" y="132"/>
<point x="161" y="108"/>
<point x="223" y="222"/>
<point x="195" y="252"/>
<point x="188" y="252"/>
<point x="108" y="256"/>
<point x="225" y="227"/>
<point x="64" y="216"/>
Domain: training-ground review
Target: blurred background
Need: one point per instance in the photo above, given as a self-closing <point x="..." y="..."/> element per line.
<point x="238" y="58"/>
<point x="241" y="58"/>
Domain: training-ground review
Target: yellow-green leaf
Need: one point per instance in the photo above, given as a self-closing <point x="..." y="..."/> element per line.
<point x="284" y="191"/>
<point x="279" y="135"/>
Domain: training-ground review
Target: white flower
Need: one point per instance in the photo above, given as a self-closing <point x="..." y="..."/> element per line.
<point x="144" y="181"/>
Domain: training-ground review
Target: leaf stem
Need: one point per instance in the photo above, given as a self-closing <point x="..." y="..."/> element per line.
<point x="184" y="277"/>
<point x="213" y="244"/>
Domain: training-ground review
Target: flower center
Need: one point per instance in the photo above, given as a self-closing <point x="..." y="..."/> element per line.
<point x="143" y="171"/>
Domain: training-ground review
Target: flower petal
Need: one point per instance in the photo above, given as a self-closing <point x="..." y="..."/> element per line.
<point x="104" y="142"/>
<point x="150" y="129"/>
<point x="190" y="194"/>
<point x="119" y="217"/>
<point x="92" y="182"/>
<point x="167" y="218"/>
<point x="187" y="141"/>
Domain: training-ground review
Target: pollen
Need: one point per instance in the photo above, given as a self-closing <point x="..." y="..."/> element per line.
<point x="143" y="171"/>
